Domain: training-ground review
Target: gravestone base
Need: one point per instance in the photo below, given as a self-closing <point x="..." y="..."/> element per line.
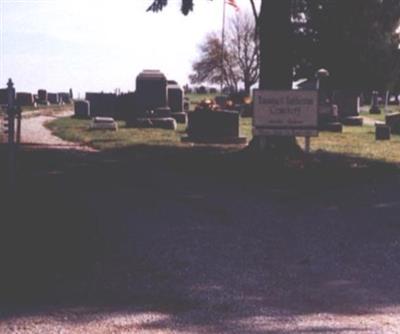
<point x="162" y="112"/>
<point x="219" y="127"/>
<point x="375" y="110"/>
<point x="353" y="121"/>
<point x="180" y="117"/>
<point x="103" y="123"/>
<point x="331" y="127"/>
<point x="393" y="121"/>
<point x="382" y="131"/>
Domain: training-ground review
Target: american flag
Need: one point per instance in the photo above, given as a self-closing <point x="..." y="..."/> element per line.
<point x="232" y="3"/>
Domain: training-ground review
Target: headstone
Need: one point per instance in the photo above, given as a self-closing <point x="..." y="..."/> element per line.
<point x="151" y="90"/>
<point x="126" y="107"/>
<point x="214" y="127"/>
<point x="82" y="109"/>
<point x="53" y="98"/>
<point x="42" y="97"/>
<point x="175" y="97"/>
<point x="25" y="99"/>
<point x="104" y="123"/>
<point x="102" y="104"/>
<point x="375" y="109"/>
<point x="393" y="121"/>
<point x="65" y="98"/>
<point x="382" y="131"/>
<point x="348" y="103"/>
<point x="327" y="114"/>
<point x="3" y="97"/>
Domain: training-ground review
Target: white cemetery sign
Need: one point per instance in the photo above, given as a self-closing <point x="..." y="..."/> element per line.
<point x="285" y="113"/>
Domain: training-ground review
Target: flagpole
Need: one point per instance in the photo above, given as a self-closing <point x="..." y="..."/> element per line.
<point x="223" y="45"/>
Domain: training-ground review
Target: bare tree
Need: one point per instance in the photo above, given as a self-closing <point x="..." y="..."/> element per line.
<point x="241" y="57"/>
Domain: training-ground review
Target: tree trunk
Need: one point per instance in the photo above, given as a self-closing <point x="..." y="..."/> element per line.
<point x="276" y="69"/>
<point x="247" y="87"/>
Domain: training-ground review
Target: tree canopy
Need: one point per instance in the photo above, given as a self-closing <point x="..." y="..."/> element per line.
<point x="355" y="40"/>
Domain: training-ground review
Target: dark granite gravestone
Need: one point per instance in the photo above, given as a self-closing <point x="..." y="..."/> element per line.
<point x="65" y="98"/>
<point x="393" y="121"/>
<point x="375" y="109"/>
<point x="3" y="97"/>
<point x="175" y="97"/>
<point x="382" y="131"/>
<point x="25" y="99"/>
<point x="348" y="103"/>
<point x="53" y="98"/>
<point x="126" y="107"/>
<point x="42" y="96"/>
<point x="214" y="127"/>
<point x="102" y="104"/>
<point x="151" y="91"/>
<point x="82" y="109"/>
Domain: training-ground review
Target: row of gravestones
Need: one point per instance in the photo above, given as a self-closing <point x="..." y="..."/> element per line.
<point x="384" y="130"/>
<point x="41" y="98"/>
<point x="155" y="103"/>
<point x="344" y="109"/>
<point x="158" y="103"/>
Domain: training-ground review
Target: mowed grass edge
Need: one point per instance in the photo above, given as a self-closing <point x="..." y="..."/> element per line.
<point x="354" y="141"/>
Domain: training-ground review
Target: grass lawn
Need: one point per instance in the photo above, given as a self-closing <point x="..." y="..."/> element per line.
<point x="358" y="142"/>
<point x="354" y="141"/>
<point x="76" y="130"/>
<point x="379" y="117"/>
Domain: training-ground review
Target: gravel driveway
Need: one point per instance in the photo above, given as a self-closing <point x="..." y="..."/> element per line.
<point x="34" y="132"/>
<point x="191" y="254"/>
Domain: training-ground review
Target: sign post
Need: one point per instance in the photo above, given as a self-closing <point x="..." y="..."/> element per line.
<point x="286" y="113"/>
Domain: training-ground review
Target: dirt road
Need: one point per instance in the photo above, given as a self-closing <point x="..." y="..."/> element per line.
<point x="34" y="132"/>
<point x="142" y="247"/>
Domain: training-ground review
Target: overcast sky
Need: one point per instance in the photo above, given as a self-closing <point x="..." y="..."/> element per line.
<point x="99" y="45"/>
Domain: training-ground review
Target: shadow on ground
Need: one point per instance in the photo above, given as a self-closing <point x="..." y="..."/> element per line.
<point x="209" y="239"/>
